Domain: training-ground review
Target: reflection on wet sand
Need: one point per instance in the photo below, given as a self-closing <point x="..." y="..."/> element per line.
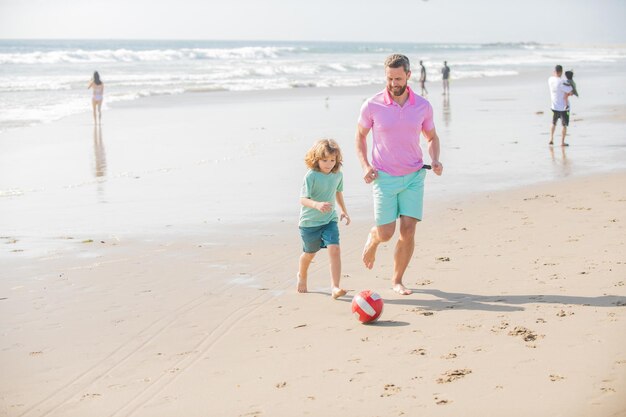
<point x="560" y="162"/>
<point x="100" y="160"/>
<point x="447" y="116"/>
<point x="100" y="169"/>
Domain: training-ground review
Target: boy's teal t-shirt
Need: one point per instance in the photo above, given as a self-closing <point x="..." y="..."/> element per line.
<point x="320" y="187"/>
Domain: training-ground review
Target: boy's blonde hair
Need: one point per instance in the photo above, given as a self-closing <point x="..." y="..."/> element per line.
<point x="323" y="148"/>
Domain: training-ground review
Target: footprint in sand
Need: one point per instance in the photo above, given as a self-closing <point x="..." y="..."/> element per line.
<point x="421" y="311"/>
<point x="453" y="375"/>
<point x="390" y="389"/>
<point x="419" y="351"/>
<point x="502" y="326"/>
<point x="527" y="334"/>
<point x="441" y="401"/>
<point x="554" y="377"/>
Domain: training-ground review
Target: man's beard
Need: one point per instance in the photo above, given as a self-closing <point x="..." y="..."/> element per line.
<point x="398" y="91"/>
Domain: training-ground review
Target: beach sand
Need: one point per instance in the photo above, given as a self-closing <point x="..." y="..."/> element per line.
<point x="147" y="291"/>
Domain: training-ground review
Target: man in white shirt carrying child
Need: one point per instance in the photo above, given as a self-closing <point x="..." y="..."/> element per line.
<point x="559" y="90"/>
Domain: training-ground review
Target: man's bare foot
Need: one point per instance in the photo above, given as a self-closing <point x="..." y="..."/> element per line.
<point x="401" y="289"/>
<point x="550" y="143"/>
<point x="564" y="144"/>
<point x="369" y="252"/>
<point x="338" y="292"/>
<point x="301" y="284"/>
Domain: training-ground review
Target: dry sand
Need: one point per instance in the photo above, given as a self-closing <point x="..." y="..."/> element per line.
<point x="519" y="309"/>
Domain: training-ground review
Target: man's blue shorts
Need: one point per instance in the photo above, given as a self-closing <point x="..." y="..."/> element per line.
<point x="396" y="196"/>
<point x="315" y="238"/>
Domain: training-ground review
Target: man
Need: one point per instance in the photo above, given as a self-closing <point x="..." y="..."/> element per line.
<point x="396" y="117"/>
<point x="558" y="91"/>
<point x="445" y="75"/>
<point x="423" y="79"/>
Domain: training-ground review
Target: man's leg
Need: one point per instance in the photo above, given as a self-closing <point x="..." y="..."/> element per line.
<point x="377" y="235"/>
<point x="563" y="133"/>
<point x="403" y="253"/>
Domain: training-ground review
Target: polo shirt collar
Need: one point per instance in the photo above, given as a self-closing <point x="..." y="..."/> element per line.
<point x="389" y="101"/>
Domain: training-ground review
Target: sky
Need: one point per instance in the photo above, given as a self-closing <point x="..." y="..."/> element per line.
<point x="471" y="21"/>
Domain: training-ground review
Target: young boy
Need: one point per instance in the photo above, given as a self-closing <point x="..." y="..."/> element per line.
<point x="323" y="185"/>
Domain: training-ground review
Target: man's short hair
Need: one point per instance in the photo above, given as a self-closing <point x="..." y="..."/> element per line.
<point x="397" y="61"/>
<point x="558" y="69"/>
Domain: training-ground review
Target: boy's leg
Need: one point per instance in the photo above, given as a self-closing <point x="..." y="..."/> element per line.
<point x="334" y="253"/>
<point x="305" y="262"/>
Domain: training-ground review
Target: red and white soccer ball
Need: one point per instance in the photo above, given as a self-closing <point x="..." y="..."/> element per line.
<point x="367" y="306"/>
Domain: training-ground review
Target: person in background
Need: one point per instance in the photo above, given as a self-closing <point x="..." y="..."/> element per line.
<point x="558" y="92"/>
<point x="98" y="95"/>
<point x="445" y="75"/>
<point x="423" y="79"/>
<point x="569" y="75"/>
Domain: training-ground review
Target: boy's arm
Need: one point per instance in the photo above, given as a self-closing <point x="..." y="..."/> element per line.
<point x="342" y="207"/>
<point x="322" y="206"/>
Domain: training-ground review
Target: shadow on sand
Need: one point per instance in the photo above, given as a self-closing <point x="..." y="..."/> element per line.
<point x="461" y="301"/>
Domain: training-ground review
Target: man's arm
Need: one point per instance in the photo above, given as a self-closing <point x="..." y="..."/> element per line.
<point x="433" y="150"/>
<point x="369" y="172"/>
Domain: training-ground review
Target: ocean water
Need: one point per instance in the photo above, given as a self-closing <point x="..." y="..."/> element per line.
<point x="43" y="81"/>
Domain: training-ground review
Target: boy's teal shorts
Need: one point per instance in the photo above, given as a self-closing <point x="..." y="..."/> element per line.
<point x="396" y="196"/>
<point x="318" y="237"/>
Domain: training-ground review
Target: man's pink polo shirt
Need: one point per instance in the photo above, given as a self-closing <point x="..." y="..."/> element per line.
<point x="396" y="131"/>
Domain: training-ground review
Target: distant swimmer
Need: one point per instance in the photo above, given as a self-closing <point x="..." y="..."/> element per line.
<point x="445" y="75"/>
<point x="423" y="79"/>
<point x="558" y="91"/>
<point x="98" y="95"/>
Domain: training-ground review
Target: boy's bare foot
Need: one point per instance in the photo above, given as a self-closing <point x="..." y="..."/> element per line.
<point x="369" y="252"/>
<point x="401" y="289"/>
<point x="338" y="292"/>
<point x="301" y="284"/>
